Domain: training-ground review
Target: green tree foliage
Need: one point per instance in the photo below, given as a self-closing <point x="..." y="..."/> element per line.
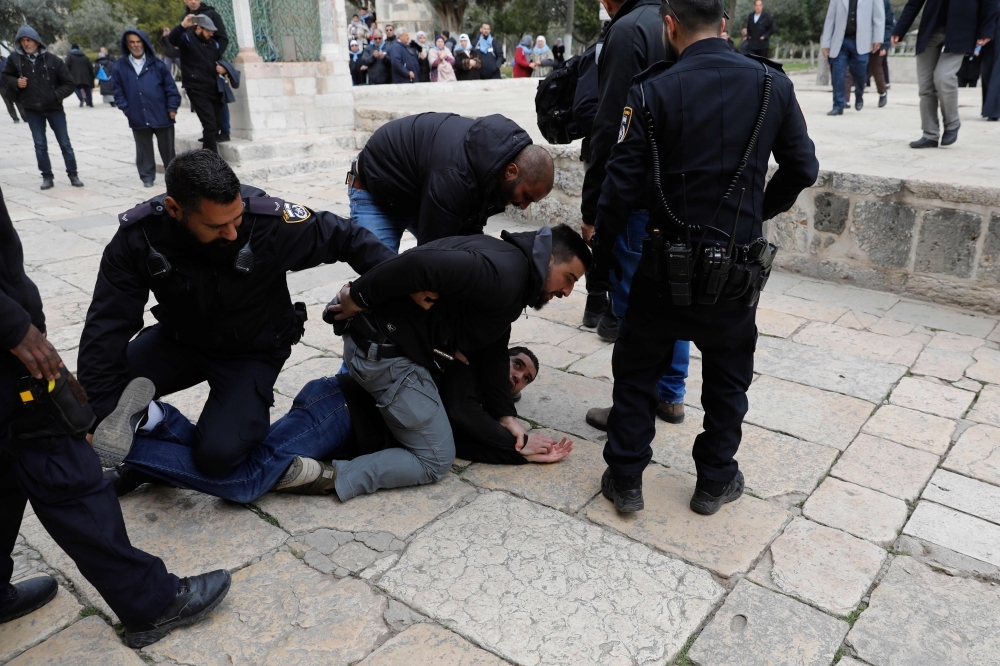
<point x="154" y="15"/>
<point x="96" y="23"/>
<point x="799" y="21"/>
<point x="510" y="19"/>
<point x="48" y="17"/>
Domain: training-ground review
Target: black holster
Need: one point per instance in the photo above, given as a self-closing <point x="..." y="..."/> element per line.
<point x="53" y="409"/>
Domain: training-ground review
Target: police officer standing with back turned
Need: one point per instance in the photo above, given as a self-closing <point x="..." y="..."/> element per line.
<point x="704" y="261"/>
<point x="215" y="255"/>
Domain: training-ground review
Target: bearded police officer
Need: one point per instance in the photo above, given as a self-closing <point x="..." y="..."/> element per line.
<point x="215" y="255"/>
<point x="693" y="147"/>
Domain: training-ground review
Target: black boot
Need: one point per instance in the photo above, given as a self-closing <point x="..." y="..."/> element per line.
<point x="596" y="304"/>
<point x="708" y="498"/>
<point x="126" y="479"/>
<point x="607" y="327"/>
<point x="47" y="184"/>
<point x="196" y="597"/>
<point x="624" y="491"/>
<point x="26" y="597"/>
<point x="75" y="181"/>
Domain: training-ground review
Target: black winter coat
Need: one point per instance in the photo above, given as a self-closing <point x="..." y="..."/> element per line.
<point x="379" y="69"/>
<point x="634" y="42"/>
<point x="968" y="21"/>
<point x="107" y="63"/>
<point x="468" y="64"/>
<point x="49" y="81"/>
<point x="764" y="27"/>
<point x="442" y="169"/>
<point x="80" y="68"/>
<point x="20" y="303"/>
<point x="220" y="36"/>
<point x="204" y="302"/>
<point x="198" y="59"/>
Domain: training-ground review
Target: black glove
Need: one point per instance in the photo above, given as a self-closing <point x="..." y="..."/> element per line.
<point x="602" y="245"/>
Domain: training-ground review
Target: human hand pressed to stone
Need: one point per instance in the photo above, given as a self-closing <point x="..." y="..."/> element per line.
<point x="557" y="451"/>
<point x="515" y="428"/>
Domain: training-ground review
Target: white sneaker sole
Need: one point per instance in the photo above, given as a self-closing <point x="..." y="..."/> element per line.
<point x="113" y="437"/>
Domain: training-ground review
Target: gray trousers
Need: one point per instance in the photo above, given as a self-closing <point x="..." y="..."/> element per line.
<point x="937" y="78"/>
<point x="411" y="406"/>
<point x="144" y="159"/>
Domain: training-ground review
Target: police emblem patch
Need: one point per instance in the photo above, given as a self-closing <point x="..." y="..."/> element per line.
<point x="626" y="123"/>
<point x="294" y="213"/>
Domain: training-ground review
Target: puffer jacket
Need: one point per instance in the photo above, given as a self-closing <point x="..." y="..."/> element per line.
<point x="146" y="98"/>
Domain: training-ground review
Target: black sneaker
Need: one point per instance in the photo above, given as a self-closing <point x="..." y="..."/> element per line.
<point x="196" y="597"/>
<point x="607" y="327"/>
<point x="596" y="305"/>
<point x="26" y="597"/>
<point x="125" y="479"/>
<point x="883" y="99"/>
<point x="706" y="504"/>
<point x="113" y="437"/>
<point x="859" y="104"/>
<point x="624" y="491"/>
<point x="47" y="184"/>
<point x="949" y="137"/>
<point x="835" y="112"/>
<point x="75" y="181"/>
<point x="924" y="142"/>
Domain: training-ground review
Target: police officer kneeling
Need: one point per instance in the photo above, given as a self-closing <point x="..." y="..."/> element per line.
<point x="215" y="255"/>
<point x="693" y="147"/>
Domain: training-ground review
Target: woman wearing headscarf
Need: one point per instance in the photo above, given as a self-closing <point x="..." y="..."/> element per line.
<point x="359" y="71"/>
<point x="523" y="67"/>
<point x="541" y="58"/>
<point x="468" y="60"/>
<point x="442" y="61"/>
<point x="424" y="75"/>
<point x="559" y="52"/>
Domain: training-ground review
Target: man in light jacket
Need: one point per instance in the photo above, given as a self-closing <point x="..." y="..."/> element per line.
<point x="146" y="93"/>
<point x="853" y="29"/>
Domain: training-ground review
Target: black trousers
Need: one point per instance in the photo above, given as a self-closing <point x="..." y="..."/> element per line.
<point x="144" y="159"/>
<point x="13" y="106"/>
<point x="84" y="93"/>
<point x="725" y="333"/>
<point x="208" y="106"/>
<point x="63" y="480"/>
<point x="236" y="417"/>
<point x="759" y="50"/>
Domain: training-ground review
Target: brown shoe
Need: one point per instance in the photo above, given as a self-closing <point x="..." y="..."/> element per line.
<point x="597" y="417"/>
<point x="671" y="413"/>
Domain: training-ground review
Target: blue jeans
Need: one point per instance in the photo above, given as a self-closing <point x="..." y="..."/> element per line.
<point x="56" y="119"/>
<point x="368" y="214"/>
<point x="317" y="426"/>
<point x="628" y="250"/>
<point x="858" y="63"/>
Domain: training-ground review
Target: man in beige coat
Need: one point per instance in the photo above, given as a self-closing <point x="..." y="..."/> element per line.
<point x="853" y="29"/>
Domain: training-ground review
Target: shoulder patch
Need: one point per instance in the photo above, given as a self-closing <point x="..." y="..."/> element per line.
<point x="626" y="123"/>
<point x="264" y="205"/>
<point x="143" y="210"/>
<point x="294" y="213"/>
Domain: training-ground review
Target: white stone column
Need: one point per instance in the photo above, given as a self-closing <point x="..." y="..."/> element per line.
<point x="333" y="30"/>
<point x="244" y="32"/>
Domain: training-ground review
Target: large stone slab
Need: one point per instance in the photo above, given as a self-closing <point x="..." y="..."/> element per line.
<point x="857" y="510"/>
<point x="560" y="401"/>
<point x="823" y="566"/>
<point x="987" y="366"/>
<point x="400" y="511"/>
<point x="947" y="364"/>
<point x="863" y="300"/>
<point x="959" y="532"/>
<point x="977" y="454"/>
<point x="192" y="532"/>
<point x="931" y="397"/>
<point x="758" y="627"/>
<point x="292" y="379"/>
<point x="539" y="587"/>
<point x="536" y="330"/>
<point x="964" y="494"/>
<point x="430" y="645"/>
<point x="777" y="324"/>
<point x="89" y="642"/>
<point x="727" y="543"/>
<point x="910" y="427"/>
<point x="826" y="418"/>
<point x="942" y="318"/>
<point x="567" y="485"/>
<point x="25" y="632"/>
<point x="955" y="341"/>
<point x="596" y="365"/>
<point x="773" y="464"/>
<point x="987" y="407"/>
<point x="280" y="611"/>
<point x="826" y="369"/>
<point x="864" y="344"/>
<point x="800" y="307"/>
<point x="886" y="466"/>
<point x="921" y="618"/>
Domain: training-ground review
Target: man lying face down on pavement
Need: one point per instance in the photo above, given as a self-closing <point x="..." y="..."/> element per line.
<point x="334" y="418"/>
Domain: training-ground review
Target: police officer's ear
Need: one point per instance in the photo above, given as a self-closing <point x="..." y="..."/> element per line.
<point x="173" y="208"/>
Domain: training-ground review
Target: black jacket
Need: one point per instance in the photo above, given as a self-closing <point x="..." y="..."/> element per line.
<point x="764" y="27"/>
<point x="491" y="58"/>
<point x="968" y="20"/>
<point x="49" y="80"/>
<point x="379" y="69"/>
<point x="358" y="76"/>
<point x="703" y="134"/>
<point x="198" y="59"/>
<point x="468" y="64"/>
<point x="80" y="68"/>
<point x="484" y="284"/>
<point x="441" y="169"/>
<point x="634" y="42"/>
<point x="20" y="304"/>
<point x="585" y="97"/>
<point x="220" y="36"/>
<point x="204" y="302"/>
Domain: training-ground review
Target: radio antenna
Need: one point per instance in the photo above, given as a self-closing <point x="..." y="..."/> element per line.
<point x="732" y="235"/>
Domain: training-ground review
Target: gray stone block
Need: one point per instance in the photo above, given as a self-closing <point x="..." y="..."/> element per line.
<point x="885" y="232"/>
<point x="989" y="261"/>
<point x="789" y="231"/>
<point x="947" y="242"/>
<point x="831" y="212"/>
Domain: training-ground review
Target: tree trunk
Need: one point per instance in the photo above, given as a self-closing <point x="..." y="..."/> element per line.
<point x="732" y="16"/>
<point x="568" y="37"/>
<point x="450" y="13"/>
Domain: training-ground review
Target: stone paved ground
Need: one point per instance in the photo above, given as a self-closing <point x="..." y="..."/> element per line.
<point x="870" y="532"/>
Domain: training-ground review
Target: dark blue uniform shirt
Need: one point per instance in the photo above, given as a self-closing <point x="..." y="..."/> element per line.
<point x="704" y="109"/>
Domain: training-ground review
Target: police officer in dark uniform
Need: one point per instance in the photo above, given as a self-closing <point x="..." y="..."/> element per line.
<point x="45" y="459"/>
<point x="215" y="255"/>
<point x="686" y="131"/>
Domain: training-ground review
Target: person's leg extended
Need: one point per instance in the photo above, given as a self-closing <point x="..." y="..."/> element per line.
<point x="946" y="84"/>
<point x="859" y="72"/>
<point x="926" y="65"/>
<point x="368" y="214"/>
<point x="203" y="106"/>
<point x="57" y="120"/>
<point x="671" y="389"/>
<point x="165" y="143"/>
<point x="411" y="406"/>
<point x="838" y="77"/>
<point x="317" y="426"/>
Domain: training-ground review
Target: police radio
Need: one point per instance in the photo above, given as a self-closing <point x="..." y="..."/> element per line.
<point x="157" y="264"/>
<point x="244" y="259"/>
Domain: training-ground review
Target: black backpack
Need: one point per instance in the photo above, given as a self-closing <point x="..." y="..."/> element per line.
<point x="554" y="103"/>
